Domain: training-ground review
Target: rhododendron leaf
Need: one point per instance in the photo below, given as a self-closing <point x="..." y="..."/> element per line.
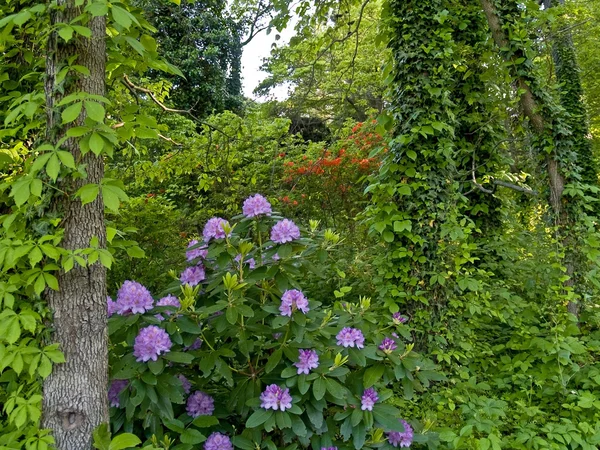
<point x="319" y="388"/>
<point x="359" y="434"/>
<point x="205" y="421"/>
<point x="372" y="375"/>
<point x="289" y="372"/>
<point x="258" y="418"/>
<point x="273" y="361"/>
<point x="356" y="417"/>
<point x="303" y="384"/>
<point x="179" y="357"/>
<point x="283" y="420"/>
<point x="335" y="389"/>
<point x="243" y="443"/>
<point x="157" y="366"/>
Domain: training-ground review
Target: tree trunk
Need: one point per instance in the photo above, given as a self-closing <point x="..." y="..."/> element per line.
<point x="556" y="177"/>
<point x="75" y="394"/>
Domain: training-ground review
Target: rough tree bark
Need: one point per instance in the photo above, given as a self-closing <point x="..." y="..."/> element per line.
<point x="75" y="400"/>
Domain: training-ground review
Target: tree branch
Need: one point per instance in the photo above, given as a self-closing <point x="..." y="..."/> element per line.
<point x="188" y="112"/>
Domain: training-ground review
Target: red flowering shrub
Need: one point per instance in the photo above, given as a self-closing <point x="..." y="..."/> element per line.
<point x="328" y="183"/>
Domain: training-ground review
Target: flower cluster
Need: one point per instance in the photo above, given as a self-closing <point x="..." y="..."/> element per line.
<point x="388" y="345"/>
<point x="293" y="300"/>
<point x="195" y="345"/>
<point x="115" y="389"/>
<point x="250" y="261"/>
<point x="133" y="298"/>
<point x="284" y="231"/>
<point x="200" y="404"/>
<point x="111" y="305"/>
<point x="307" y="359"/>
<point x="214" y="229"/>
<point x="276" y="398"/>
<point x="399" y="318"/>
<point x="198" y="252"/>
<point x="256" y="205"/>
<point x="193" y="275"/>
<point x="401" y="439"/>
<point x="185" y="383"/>
<point x="350" y="337"/>
<point x="169" y="300"/>
<point x="150" y="343"/>
<point x="368" y="399"/>
<point x="218" y="441"/>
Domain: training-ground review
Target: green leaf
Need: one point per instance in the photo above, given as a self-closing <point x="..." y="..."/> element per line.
<point x="83" y="31"/>
<point x="273" y="361"/>
<point x="258" y="417"/>
<point x="319" y="387"/>
<point x="71" y="113"/>
<point x="20" y="191"/>
<point x="191" y="436"/>
<point x="243" y="443"/>
<point x="125" y="440"/>
<point x="66" y="32"/>
<point x="101" y="436"/>
<point x="179" y="357"/>
<point x="121" y="16"/>
<point x="96" y="143"/>
<point x="88" y="193"/>
<point x="112" y="196"/>
<point x="66" y="158"/>
<point x="136" y="45"/>
<point x="205" y="421"/>
<point x="53" y="167"/>
<point x="95" y="111"/>
<point x="373" y="374"/>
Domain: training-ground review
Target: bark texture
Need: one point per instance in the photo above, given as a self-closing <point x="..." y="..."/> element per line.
<point x="75" y="394"/>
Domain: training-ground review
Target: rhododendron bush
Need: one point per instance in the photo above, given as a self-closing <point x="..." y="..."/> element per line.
<point x="238" y="352"/>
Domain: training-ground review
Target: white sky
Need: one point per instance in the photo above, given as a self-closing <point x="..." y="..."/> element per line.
<point x="252" y="58"/>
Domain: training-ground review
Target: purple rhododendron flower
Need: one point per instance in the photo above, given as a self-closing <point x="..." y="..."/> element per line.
<point x="368" y="399"/>
<point x="350" y="337"/>
<point x="133" y="298"/>
<point x="116" y="387"/>
<point x="218" y="441"/>
<point x="292" y="300"/>
<point x="401" y="438"/>
<point x="328" y="448"/>
<point x="200" y="404"/>
<point x="307" y="359"/>
<point x="187" y="386"/>
<point x="193" y="275"/>
<point x="112" y="306"/>
<point x="388" y="345"/>
<point x="255" y="206"/>
<point x="169" y="300"/>
<point x="276" y="398"/>
<point x="196" y="253"/>
<point x="284" y="231"/>
<point x="399" y="318"/>
<point x="195" y="345"/>
<point x="250" y="261"/>
<point x="151" y="342"/>
<point x="214" y="229"/>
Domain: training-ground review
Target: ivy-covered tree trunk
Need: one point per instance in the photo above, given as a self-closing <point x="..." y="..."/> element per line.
<point x="552" y="128"/>
<point x="430" y="202"/>
<point x="571" y="93"/>
<point x="75" y="400"/>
